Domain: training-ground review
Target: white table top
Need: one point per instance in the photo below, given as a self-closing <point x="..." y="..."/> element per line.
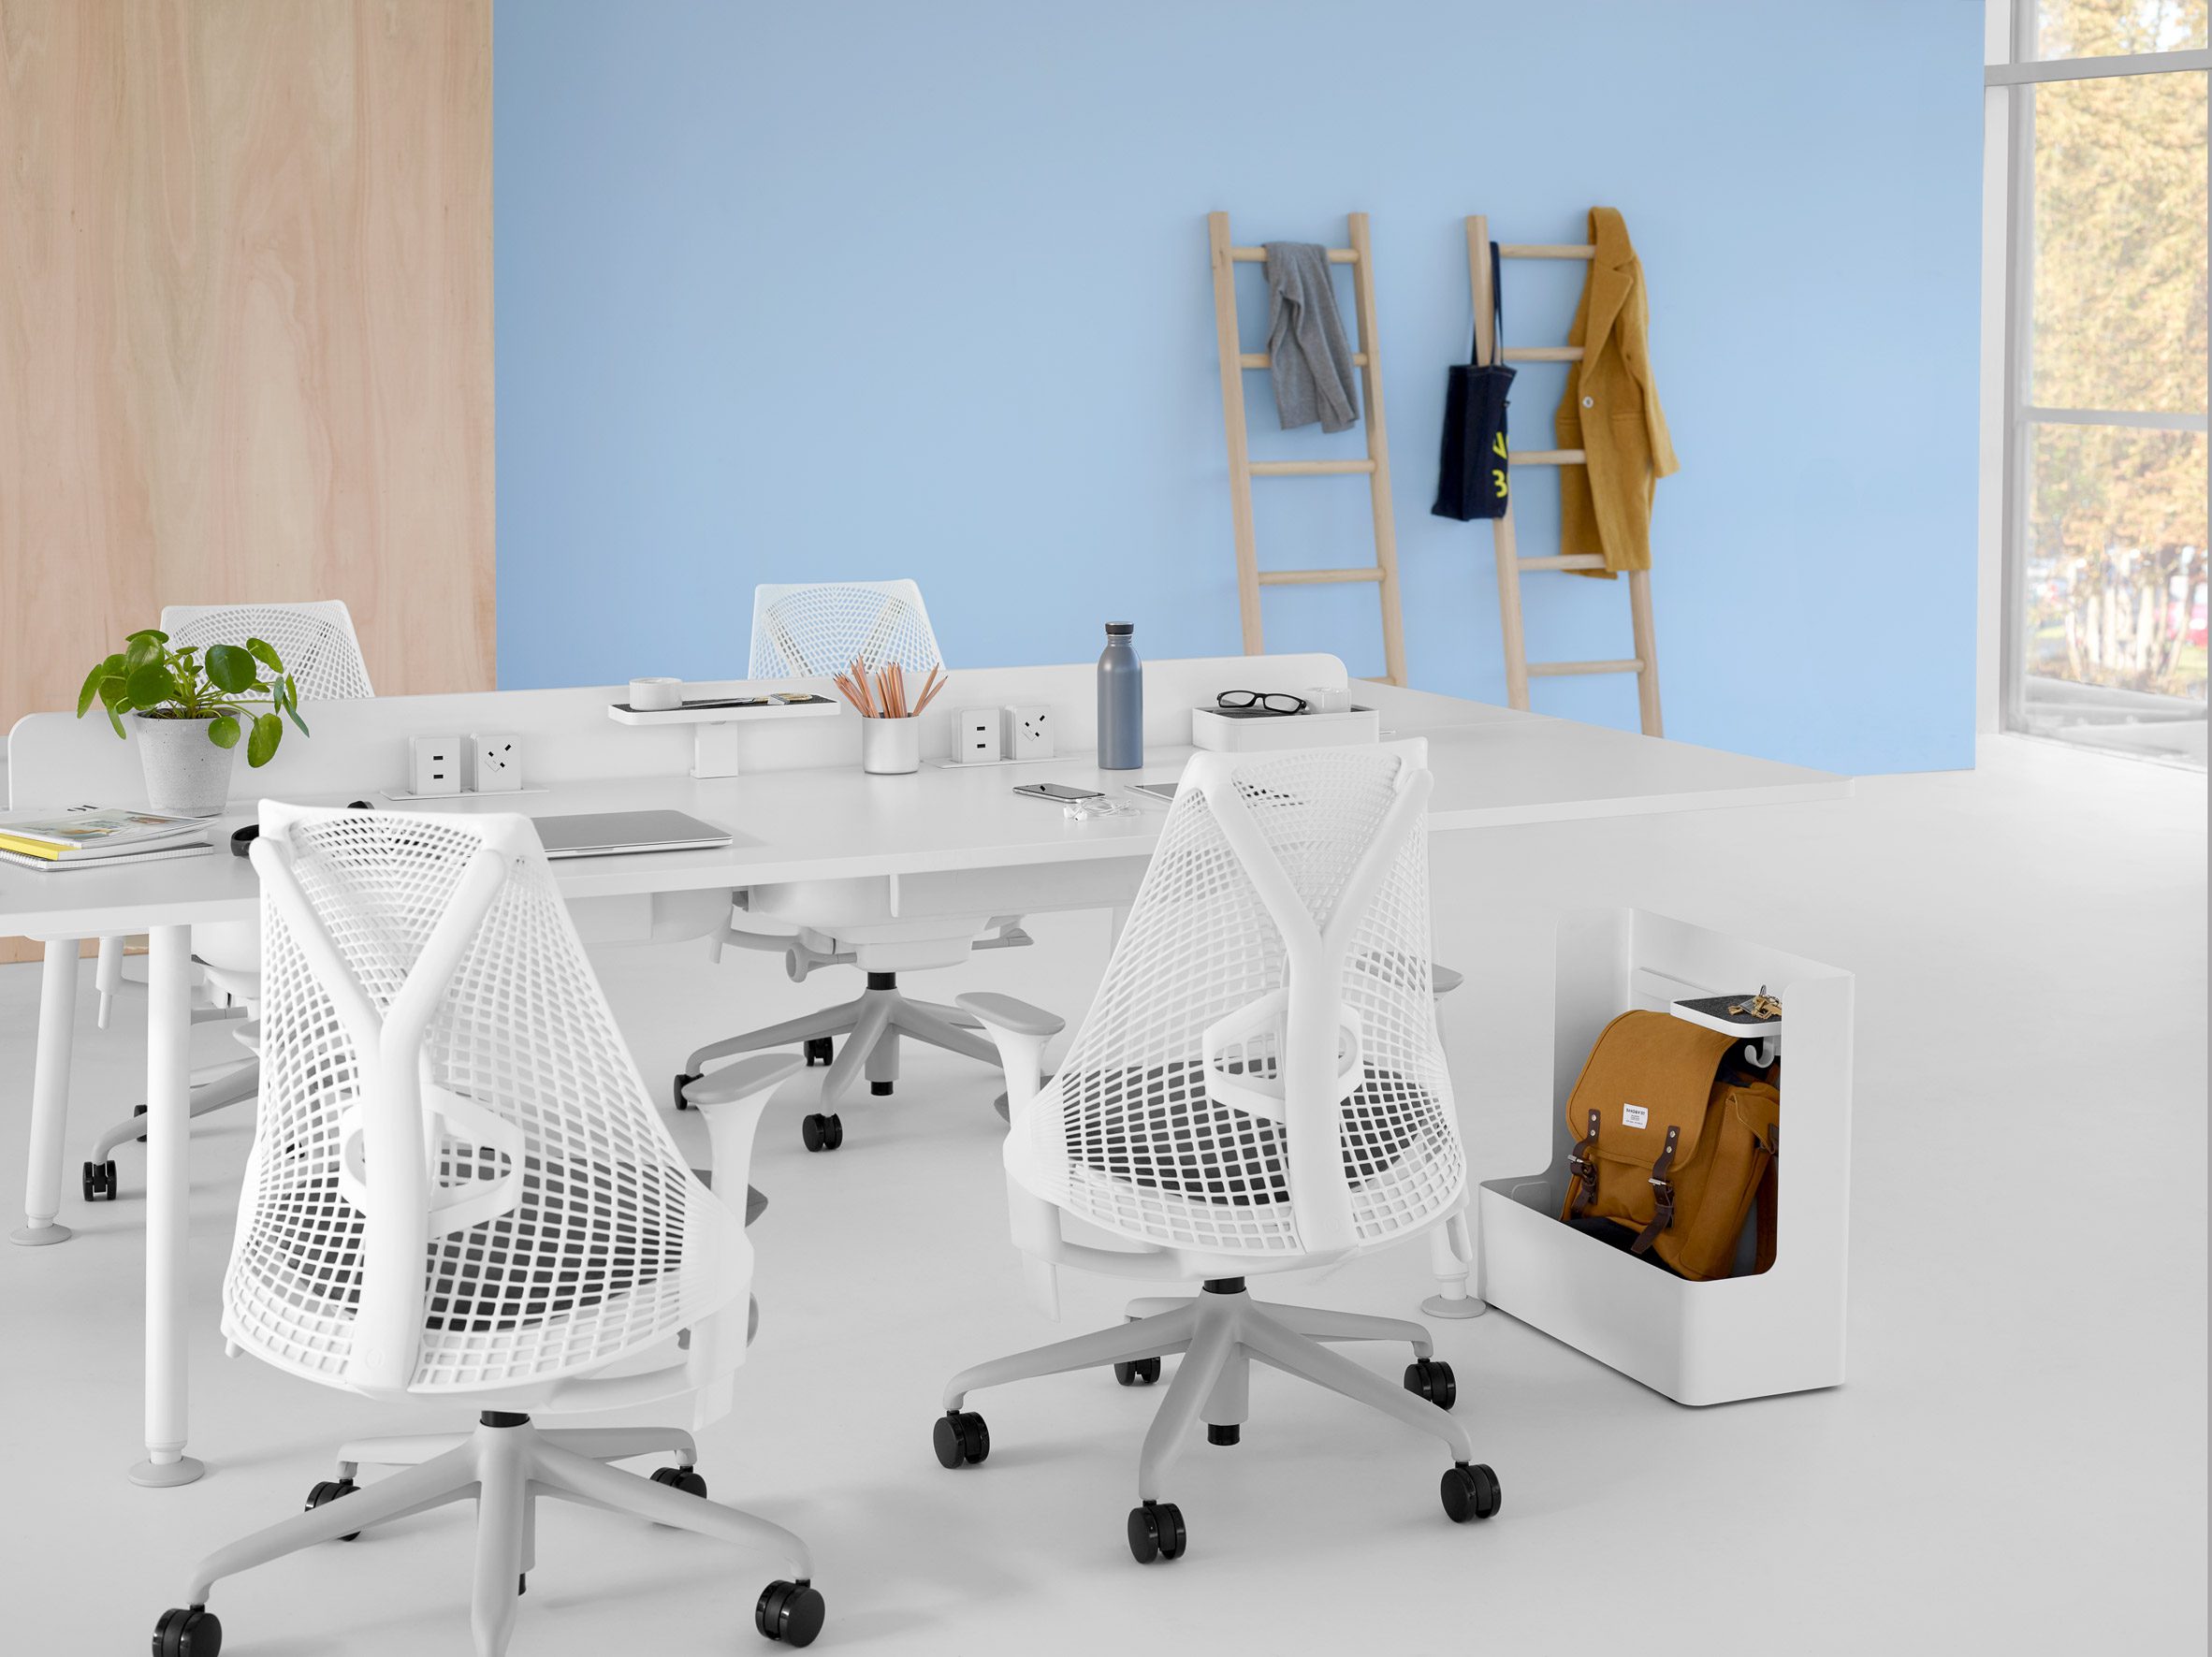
<point x="1494" y="768"/>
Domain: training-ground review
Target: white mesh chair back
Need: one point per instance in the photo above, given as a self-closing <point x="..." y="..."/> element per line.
<point x="820" y="629"/>
<point x="316" y="641"/>
<point x="1260" y="1074"/>
<point x="458" y="1181"/>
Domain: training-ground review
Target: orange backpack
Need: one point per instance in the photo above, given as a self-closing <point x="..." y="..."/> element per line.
<point x="1674" y="1143"/>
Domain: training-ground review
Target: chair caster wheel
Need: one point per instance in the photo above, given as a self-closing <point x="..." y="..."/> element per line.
<point x="820" y="1050"/>
<point x="100" y="1182"/>
<point x="1232" y="1433"/>
<point x="1138" y="1372"/>
<point x="187" y="1633"/>
<point x="1431" y="1378"/>
<point x="961" y="1438"/>
<point x="521" y="1585"/>
<point x="879" y="1089"/>
<point x="1156" y="1532"/>
<point x="686" y="1479"/>
<point x="789" y="1611"/>
<point x="329" y="1490"/>
<point x="822" y="1133"/>
<point x="1471" y="1492"/>
<point x="683" y="1080"/>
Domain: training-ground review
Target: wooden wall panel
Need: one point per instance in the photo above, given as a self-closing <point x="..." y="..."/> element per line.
<point x="245" y="325"/>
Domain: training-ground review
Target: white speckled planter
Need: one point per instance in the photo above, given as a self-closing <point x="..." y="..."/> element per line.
<point x="186" y="774"/>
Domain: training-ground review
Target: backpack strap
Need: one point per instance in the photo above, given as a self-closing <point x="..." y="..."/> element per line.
<point x="1662" y="1194"/>
<point x="1769" y="1236"/>
<point x="1583" y="1189"/>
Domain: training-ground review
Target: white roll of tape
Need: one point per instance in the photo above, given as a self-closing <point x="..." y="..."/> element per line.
<point x="656" y="695"/>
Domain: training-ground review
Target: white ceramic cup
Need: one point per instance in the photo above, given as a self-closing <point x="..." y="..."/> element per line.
<point x="1321" y="699"/>
<point x="649" y="696"/>
<point x="891" y="748"/>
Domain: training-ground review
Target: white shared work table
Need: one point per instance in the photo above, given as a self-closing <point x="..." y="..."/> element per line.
<point x="952" y="838"/>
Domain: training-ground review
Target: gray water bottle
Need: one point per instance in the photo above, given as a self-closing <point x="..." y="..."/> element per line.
<point x="1121" y="700"/>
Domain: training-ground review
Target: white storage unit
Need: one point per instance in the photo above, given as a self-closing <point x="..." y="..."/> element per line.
<point x="1698" y="1343"/>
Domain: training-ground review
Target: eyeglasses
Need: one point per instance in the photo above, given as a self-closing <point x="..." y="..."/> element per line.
<point x="1273" y="701"/>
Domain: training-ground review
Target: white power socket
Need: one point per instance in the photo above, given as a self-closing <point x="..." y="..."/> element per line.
<point x="981" y="742"/>
<point x="433" y="765"/>
<point x="495" y="763"/>
<point x="1029" y="733"/>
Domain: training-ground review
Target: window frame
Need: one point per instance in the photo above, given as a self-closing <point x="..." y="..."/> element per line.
<point x="2009" y="421"/>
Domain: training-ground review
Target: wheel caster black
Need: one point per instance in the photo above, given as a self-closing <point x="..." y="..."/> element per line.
<point x="683" y="1080"/>
<point x="100" y="1182"/>
<point x="961" y="1438"/>
<point x="686" y="1479"/>
<point x="139" y="1111"/>
<point x="879" y="1089"/>
<point x="790" y="1612"/>
<point x="820" y="1050"/>
<point x="1156" y="1532"/>
<point x="521" y="1586"/>
<point x="1431" y="1378"/>
<point x="187" y="1633"/>
<point x="1231" y="1433"/>
<point x="1471" y="1491"/>
<point x="329" y="1490"/>
<point x="822" y="1133"/>
<point x="1138" y="1372"/>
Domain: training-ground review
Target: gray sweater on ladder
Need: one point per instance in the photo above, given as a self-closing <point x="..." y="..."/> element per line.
<point x="1311" y="359"/>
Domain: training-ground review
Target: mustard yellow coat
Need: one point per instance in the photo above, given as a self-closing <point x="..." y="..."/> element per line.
<point x="1611" y="412"/>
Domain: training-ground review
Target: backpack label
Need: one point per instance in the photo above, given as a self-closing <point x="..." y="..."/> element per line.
<point x="1633" y="1116"/>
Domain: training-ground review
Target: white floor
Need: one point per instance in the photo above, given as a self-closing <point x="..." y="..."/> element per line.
<point x="2017" y="1463"/>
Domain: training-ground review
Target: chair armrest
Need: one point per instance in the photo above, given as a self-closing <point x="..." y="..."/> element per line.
<point x="1019" y="1032"/>
<point x="1004" y="1012"/>
<point x="732" y="1100"/>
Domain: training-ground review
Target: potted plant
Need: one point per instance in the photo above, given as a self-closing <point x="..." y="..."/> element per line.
<point x="191" y="708"/>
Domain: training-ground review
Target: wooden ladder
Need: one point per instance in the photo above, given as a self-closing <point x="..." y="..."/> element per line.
<point x="1242" y="469"/>
<point x="1519" y="668"/>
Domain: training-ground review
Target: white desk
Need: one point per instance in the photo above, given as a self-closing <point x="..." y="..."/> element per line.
<point x="952" y="840"/>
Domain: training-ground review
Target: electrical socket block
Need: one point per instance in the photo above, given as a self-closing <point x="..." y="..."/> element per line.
<point x="1029" y="733"/>
<point x="495" y="763"/>
<point x="981" y="740"/>
<point x="433" y="765"/>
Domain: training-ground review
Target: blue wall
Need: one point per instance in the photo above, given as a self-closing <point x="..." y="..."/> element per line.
<point x="860" y="290"/>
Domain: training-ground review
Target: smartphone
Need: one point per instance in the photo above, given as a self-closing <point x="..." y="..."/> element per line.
<point x="1162" y="792"/>
<point x="1058" y="790"/>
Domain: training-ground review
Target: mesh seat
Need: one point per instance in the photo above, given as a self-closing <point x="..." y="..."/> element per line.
<point x="315" y="641"/>
<point x="600" y="1241"/>
<point x="1259" y="1086"/>
<point x="1140" y="1112"/>
<point x="458" y="1189"/>
<point x="815" y="630"/>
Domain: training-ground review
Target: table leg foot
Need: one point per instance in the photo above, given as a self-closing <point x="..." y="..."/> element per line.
<point x="161" y="1474"/>
<point x="39" y="1236"/>
<point x="1448" y="1307"/>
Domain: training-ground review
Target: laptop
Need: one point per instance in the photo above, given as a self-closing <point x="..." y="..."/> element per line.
<point x="610" y="834"/>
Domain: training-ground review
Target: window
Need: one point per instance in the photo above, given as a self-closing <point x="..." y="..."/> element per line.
<point x="2104" y="532"/>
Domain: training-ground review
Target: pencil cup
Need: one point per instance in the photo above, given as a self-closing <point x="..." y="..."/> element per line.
<point x="890" y="747"/>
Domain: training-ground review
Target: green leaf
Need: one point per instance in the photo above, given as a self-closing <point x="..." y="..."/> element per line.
<point x="91" y="687"/>
<point x="144" y="648"/>
<point x="268" y="732"/>
<point x="113" y="720"/>
<point x="225" y="732"/>
<point x="291" y="713"/>
<point x="114" y="691"/>
<point x="154" y="633"/>
<point x="150" y="685"/>
<point x="265" y="653"/>
<point x="230" y="669"/>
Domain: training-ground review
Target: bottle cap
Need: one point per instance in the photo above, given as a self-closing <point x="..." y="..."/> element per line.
<point x="1115" y="630"/>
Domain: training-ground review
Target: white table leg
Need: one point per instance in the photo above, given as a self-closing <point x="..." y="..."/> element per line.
<point x="50" y="1096"/>
<point x="168" y="1106"/>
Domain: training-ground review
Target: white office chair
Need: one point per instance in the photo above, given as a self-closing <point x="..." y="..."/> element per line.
<point x="459" y="1194"/>
<point x="1258" y="1087"/>
<point x="814" y="631"/>
<point x="318" y="647"/>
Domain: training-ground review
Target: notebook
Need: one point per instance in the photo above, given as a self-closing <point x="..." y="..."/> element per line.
<point x="609" y="834"/>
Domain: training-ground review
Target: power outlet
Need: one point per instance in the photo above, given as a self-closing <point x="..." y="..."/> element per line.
<point x="981" y="740"/>
<point x="1029" y="733"/>
<point x="434" y="764"/>
<point x="495" y="763"/>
